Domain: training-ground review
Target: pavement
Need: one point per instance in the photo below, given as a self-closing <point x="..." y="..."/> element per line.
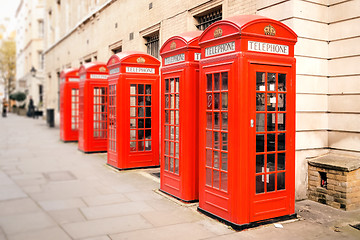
<point x="50" y="190"/>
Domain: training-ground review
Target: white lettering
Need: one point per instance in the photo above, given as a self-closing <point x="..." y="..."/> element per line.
<point x="100" y="76"/>
<point x="197" y="56"/>
<point x="218" y="49"/>
<point x="268" y="47"/>
<point x="73" y="79"/>
<point x="175" y="59"/>
<point x="115" y="70"/>
<point x="139" y="70"/>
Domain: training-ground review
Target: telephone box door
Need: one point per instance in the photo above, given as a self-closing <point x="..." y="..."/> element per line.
<point x="272" y="133"/>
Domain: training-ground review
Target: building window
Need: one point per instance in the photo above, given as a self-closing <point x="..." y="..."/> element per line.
<point x="152" y="44"/>
<point x="41" y="28"/>
<point x="41" y="60"/>
<point x="117" y="50"/>
<point x="206" y="19"/>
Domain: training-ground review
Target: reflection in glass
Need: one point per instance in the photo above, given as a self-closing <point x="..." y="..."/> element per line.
<point x="209" y="120"/>
<point x="172" y="118"/>
<point x="216" y="101"/>
<point x="177" y="150"/>
<point x="171" y="164"/>
<point x="209" y="139"/>
<point x="216" y="180"/>
<point x="224" y="80"/>
<point x="270" y="179"/>
<point x="224" y="161"/>
<point x="260" y="102"/>
<point x="260" y="163"/>
<point x="132" y="146"/>
<point x="132" y="89"/>
<point x="177" y="135"/>
<point x="281" y="181"/>
<point x="224" y="120"/>
<point x="176" y="165"/>
<point x="140" y="89"/>
<point x="216" y="81"/>
<point x="209" y="82"/>
<point x="171" y="149"/>
<point x="260" y="184"/>
<point x="132" y="123"/>
<point x="282" y="102"/>
<point x="260" y="122"/>
<point x="281" y="161"/>
<point x="271" y="101"/>
<point x="140" y="112"/>
<point x="270" y="142"/>
<point x="172" y="85"/>
<point x="132" y="134"/>
<point x="172" y="132"/>
<point x="224" y="182"/>
<point x="167" y="85"/>
<point x="177" y="84"/>
<point x="166" y="132"/>
<point x="281" y="82"/>
<point x="271" y="120"/>
<point x="166" y="116"/>
<point x="140" y="123"/>
<point x="167" y="101"/>
<point x="148" y="134"/>
<point x="208" y="176"/>
<point x="260" y="81"/>
<point x="132" y="112"/>
<point x="260" y="142"/>
<point x="148" y="89"/>
<point x="216" y="160"/>
<point x="216" y="140"/>
<point x="140" y="134"/>
<point x="177" y="103"/>
<point x="281" y="141"/>
<point x="208" y="158"/>
<point x="172" y="101"/>
<point x="148" y="123"/>
<point x="132" y="101"/>
<point x="141" y="146"/>
<point x="141" y="100"/>
<point x="166" y="160"/>
<point x="281" y="121"/>
<point x="224" y="141"/>
<point x="270" y="164"/>
<point x="166" y="147"/>
<point x="271" y="82"/>
<point x="148" y="112"/>
<point x="209" y="101"/>
<point x="224" y="100"/>
<point x="177" y="117"/>
<point x="148" y="100"/>
<point x="216" y="120"/>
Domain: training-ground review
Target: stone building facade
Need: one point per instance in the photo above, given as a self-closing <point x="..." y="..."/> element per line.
<point x="327" y="53"/>
<point x="29" y="49"/>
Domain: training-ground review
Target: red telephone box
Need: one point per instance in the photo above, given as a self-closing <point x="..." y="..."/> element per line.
<point x="69" y="104"/>
<point x="179" y="109"/>
<point x="93" y="107"/>
<point x="247" y="121"/>
<point x="133" y="110"/>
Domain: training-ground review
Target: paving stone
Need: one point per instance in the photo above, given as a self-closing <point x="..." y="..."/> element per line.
<point x="142" y="195"/>
<point x="67" y="216"/>
<point x="25" y="222"/>
<point x="105" y="199"/>
<point x="173" y="232"/>
<point x="106" y="226"/>
<point x="4" y="179"/>
<point x="113" y="210"/>
<point x="61" y="204"/>
<point x="11" y="191"/>
<point x="32" y="189"/>
<point x="55" y="233"/>
<point x="97" y="238"/>
<point x="59" y="176"/>
<point x="17" y="206"/>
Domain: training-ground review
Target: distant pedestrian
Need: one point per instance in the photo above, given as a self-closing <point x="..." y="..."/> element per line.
<point x="4" y="107"/>
<point x="31" y="108"/>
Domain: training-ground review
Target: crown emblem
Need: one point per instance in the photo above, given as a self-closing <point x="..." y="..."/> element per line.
<point x="172" y="45"/>
<point x="77" y="73"/>
<point x="218" y="32"/>
<point x="102" y="69"/>
<point x="269" y="30"/>
<point x="113" y="61"/>
<point x="140" y="60"/>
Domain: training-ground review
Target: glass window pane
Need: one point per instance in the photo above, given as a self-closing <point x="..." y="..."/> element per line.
<point x="177" y="150"/>
<point x="260" y="163"/>
<point x="172" y="85"/>
<point x="216" y="101"/>
<point x="216" y="120"/>
<point x="270" y="163"/>
<point x="148" y="100"/>
<point x="260" y="142"/>
<point x="270" y="180"/>
<point x="177" y="117"/>
<point x="166" y="160"/>
<point x="209" y="139"/>
<point x="140" y="146"/>
<point x="271" y="121"/>
<point x="172" y="99"/>
<point x="172" y="132"/>
<point x="224" y="161"/>
<point x="148" y="123"/>
<point x="209" y="82"/>
<point x="216" y="140"/>
<point x="148" y="134"/>
<point x="281" y="121"/>
<point x="132" y="134"/>
<point x="172" y="117"/>
<point x="177" y="135"/>
<point x="166" y="85"/>
<point x="282" y="102"/>
<point x="260" y="81"/>
<point x="171" y="160"/>
<point x="177" y="89"/>
<point x="270" y="142"/>
<point x="271" y="82"/>
<point x="224" y="100"/>
<point x="166" y="148"/>
<point x="171" y="149"/>
<point x="167" y="101"/>
<point x="224" y="80"/>
<point x="141" y="100"/>
<point x="224" y="181"/>
<point x="147" y="145"/>
<point x="260" y="122"/>
<point x="132" y="101"/>
<point x="166" y="132"/>
<point x="281" y="141"/>
<point x="166" y="116"/>
<point x="281" y="181"/>
<point x="281" y="82"/>
<point x="216" y="160"/>
<point x="140" y="89"/>
<point x="177" y="101"/>
<point x="281" y="161"/>
<point x="216" y="81"/>
<point x="133" y="89"/>
<point x="176" y="166"/>
<point x="209" y="101"/>
<point x="208" y="158"/>
<point x="140" y="123"/>
<point x="140" y="134"/>
<point x="224" y="141"/>
<point x="140" y="112"/>
<point x="148" y="89"/>
<point x="224" y="120"/>
<point x="271" y="101"/>
<point x="209" y="120"/>
<point x="132" y="146"/>
<point x="148" y="112"/>
<point x="208" y="176"/>
<point x="216" y="179"/>
<point x="260" y="184"/>
<point x="260" y="102"/>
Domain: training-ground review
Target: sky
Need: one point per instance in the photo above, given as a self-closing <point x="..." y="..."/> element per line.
<point x="7" y="13"/>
